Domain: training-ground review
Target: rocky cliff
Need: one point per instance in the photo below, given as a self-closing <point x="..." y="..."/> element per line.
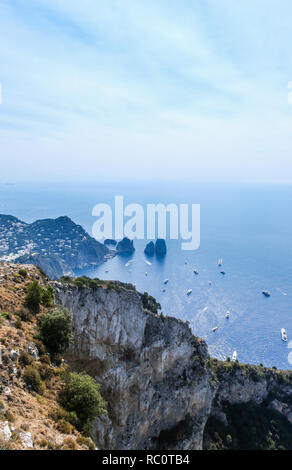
<point x="163" y="390"/>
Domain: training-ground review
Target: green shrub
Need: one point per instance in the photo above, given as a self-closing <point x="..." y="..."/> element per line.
<point x="23" y="273"/>
<point x="33" y="296"/>
<point x="6" y="315"/>
<point x="32" y="378"/>
<point x="46" y="372"/>
<point x="85" y="441"/>
<point x="55" y="330"/>
<point x="25" y="358"/>
<point x="48" y="296"/>
<point x="81" y="395"/>
<point x="59" y="414"/>
<point x="64" y="426"/>
<point x="24" y="314"/>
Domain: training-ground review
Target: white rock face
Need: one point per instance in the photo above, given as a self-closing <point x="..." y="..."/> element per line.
<point x="155" y="374"/>
<point x="5" y="433"/>
<point x="26" y="440"/>
<point x="151" y="369"/>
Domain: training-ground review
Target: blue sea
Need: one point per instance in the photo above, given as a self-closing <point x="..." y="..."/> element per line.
<point x="249" y="226"/>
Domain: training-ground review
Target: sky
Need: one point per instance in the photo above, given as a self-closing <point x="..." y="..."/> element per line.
<point x="190" y="90"/>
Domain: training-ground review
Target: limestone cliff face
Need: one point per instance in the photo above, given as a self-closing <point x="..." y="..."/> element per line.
<point x="158" y="379"/>
<point x="152" y="370"/>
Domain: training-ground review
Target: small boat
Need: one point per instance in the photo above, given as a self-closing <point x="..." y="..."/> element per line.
<point x="129" y="262"/>
<point x="196" y="271"/>
<point x="220" y="262"/>
<point x="210" y="283"/>
<point x="215" y="328"/>
<point x="227" y="314"/>
<point x="163" y="290"/>
<point x="189" y="292"/>
<point x="165" y="281"/>
<point x="284" y="334"/>
<point x="223" y="273"/>
<point x="266" y="293"/>
<point x="148" y="262"/>
<point x="234" y="356"/>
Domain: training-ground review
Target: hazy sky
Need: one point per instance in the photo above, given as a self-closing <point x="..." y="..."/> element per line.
<point x="194" y="89"/>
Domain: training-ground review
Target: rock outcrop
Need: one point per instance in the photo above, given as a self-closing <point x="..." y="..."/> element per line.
<point x="160" y="384"/>
<point x="125" y="247"/>
<point x="160" y="247"/>
<point x="149" y="249"/>
<point x="110" y="241"/>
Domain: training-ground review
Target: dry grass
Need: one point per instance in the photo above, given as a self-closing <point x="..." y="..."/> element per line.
<point x="24" y="409"/>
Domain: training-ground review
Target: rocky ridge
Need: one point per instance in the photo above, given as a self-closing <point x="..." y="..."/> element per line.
<point x="162" y="387"/>
<point x="58" y="246"/>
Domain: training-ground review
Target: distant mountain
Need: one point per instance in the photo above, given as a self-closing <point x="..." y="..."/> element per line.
<point x="58" y="246"/>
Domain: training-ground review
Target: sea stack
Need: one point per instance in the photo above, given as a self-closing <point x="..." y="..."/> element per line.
<point x="110" y="241"/>
<point x="160" y="247"/>
<point x="149" y="249"/>
<point x="125" y="247"/>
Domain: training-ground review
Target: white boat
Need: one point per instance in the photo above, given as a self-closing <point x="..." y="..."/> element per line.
<point x="266" y="293"/>
<point x="215" y="328"/>
<point x="284" y="334"/>
<point x="148" y="262"/>
<point x="227" y="314"/>
<point x="234" y="356"/>
<point x="196" y="271"/>
<point x="189" y="292"/>
<point x="165" y="281"/>
<point x="220" y="262"/>
<point x="129" y="262"/>
<point x="210" y="283"/>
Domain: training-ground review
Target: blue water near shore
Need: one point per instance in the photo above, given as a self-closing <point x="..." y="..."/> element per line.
<point x="249" y="226"/>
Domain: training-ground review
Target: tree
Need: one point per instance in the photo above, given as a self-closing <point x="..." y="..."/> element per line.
<point x="81" y="395"/>
<point x="33" y="296"/>
<point x="55" y="330"/>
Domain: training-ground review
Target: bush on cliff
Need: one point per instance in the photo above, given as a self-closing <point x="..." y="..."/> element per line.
<point x="37" y="295"/>
<point x="32" y="379"/>
<point x="81" y="395"/>
<point x="33" y="296"/>
<point x="48" y="296"/>
<point x="55" y="330"/>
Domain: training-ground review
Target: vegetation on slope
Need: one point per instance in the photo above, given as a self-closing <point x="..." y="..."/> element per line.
<point x="34" y="379"/>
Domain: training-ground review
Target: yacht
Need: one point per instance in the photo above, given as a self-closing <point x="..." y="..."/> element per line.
<point x="284" y="334"/>
<point x="189" y="292"/>
<point x="227" y="314"/>
<point x="220" y="262"/>
<point x="234" y="356"/>
<point x="266" y="293"/>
